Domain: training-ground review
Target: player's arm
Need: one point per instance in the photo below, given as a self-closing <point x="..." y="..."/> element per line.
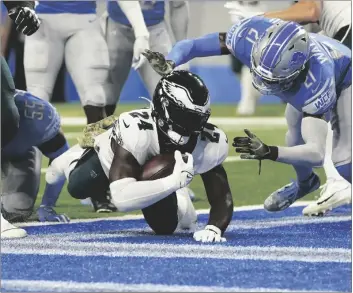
<point x="133" y="12"/>
<point x="310" y="154"/>
<point x="179" y="19"/>
<point x="219" y="196"/>
<point x="303" y="12"/>
<point x="209" y="45"/>
<point x="129" y="194"/>
<point x="53" y="149"/>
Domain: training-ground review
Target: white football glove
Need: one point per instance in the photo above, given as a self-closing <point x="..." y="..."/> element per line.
<point x="183" y="172"/>
<point x="209" y="234"/>
<point x="159" y="63"/>
<point x="141" y="44"/>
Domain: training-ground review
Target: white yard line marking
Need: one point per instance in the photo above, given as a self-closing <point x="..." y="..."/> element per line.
<point x="220" y="121"/>
<point x="48" y="246"/>
<point x="64" y="286"/>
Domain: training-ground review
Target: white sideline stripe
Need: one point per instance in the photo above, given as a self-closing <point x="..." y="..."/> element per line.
<point x="62" y="286"/>
<point x="140" y="216"/>
<point x="42" y="246"/>
<point x="229" y="159"/>
<point x="221" y="121"/>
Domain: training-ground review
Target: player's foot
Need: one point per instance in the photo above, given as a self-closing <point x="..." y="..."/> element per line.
<point x="336" y="192"/>
<point x="282" y="198"/>
<point x="103" y="207"/>
<point x="9" y="231"/>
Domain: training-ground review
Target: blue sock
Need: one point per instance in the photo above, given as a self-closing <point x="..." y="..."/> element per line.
<point x="345" y="171"/>
<point x="51" y="193"/>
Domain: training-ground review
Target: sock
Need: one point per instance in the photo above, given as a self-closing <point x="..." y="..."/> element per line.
<point x="345" y="171"/>
<point x="94" y="113"/>
<point x="110" y="109"/>
<point x="329" y="167"/>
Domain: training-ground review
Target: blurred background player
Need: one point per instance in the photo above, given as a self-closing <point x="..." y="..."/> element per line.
<point x="129" y="32"/>
<point x="239" y="10"/>
<point x="39" y="131"/>
<point x="70" y="30"/>
<point x="26" y="22"/>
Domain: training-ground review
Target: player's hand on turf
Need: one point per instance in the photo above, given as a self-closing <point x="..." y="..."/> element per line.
<point x="251" y="147"/>
<point x="158" y="62"/>
<point x="183" y="169"/>
<point x="209" y="234"/>
<point x="141" y="44"/>
<point x="26" y="20"/>
<point x="48" y="214"/>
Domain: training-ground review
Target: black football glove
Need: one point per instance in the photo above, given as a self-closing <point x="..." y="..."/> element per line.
<point x="252" y="148"/>
<point x="158" y="62"/>
<point x="26" y="20"/>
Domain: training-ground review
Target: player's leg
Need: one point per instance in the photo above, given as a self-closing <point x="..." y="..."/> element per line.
<point x="176" y="210"/>
<point x="43" y="56"/>
<point x="160" y="41"/>
<point x="87" y="61"/>
<point x="120" y="40"/>
<point x="307" y="181"/>
<point x="342" y="134"/>
<point x="337" y="190"/>
<point x="20" y="186"/>
<point x="10" y="118"/>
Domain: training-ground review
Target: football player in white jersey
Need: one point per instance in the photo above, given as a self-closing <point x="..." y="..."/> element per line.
<point x="175" y="123"/>
<point x="239" y="10"/>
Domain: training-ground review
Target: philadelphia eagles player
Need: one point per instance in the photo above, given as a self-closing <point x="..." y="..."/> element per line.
<point x="175" y="123"/>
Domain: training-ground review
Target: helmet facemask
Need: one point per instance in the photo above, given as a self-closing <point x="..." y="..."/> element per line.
<point x="178" y="122"/>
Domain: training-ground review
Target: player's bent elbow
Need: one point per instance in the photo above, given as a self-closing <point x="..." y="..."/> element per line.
<point x="122" y="206"/>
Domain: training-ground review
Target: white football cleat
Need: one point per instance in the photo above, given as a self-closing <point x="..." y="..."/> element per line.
<point x="9" y="231"/>
<point x="186" y="211"/>
<point x="336" y="192"/>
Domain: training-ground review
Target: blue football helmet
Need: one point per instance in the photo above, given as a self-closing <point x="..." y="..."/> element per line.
<point x="278" y="56"/>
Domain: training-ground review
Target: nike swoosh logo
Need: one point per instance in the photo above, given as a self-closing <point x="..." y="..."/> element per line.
<point x="325" y="200"/>
<point x="127" y="126"/>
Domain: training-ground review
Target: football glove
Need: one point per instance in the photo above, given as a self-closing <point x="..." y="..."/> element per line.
<point x="141" y="44"/>
<point x="252" y="148"/>
<point x="26" y="20"/>
<point x="158" y="62"/>
<point x="209" y="234"/>
<point x="183" y="169"/>
<point x="48" y="214"/>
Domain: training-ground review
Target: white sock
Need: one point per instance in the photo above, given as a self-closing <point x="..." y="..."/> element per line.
<point x="330" y="169"/>
<point x="186" y="212"/>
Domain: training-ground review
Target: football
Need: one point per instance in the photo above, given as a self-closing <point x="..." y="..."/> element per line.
<point x="158" y="167"/>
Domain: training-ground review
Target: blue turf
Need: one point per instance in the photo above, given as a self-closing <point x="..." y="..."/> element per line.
<point x="248" y="228"/>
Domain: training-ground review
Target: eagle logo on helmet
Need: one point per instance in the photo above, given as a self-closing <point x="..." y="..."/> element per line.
<point x="177" y="92"/>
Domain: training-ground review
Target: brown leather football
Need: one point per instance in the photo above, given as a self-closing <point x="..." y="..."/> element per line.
<point x="158" y="167"/>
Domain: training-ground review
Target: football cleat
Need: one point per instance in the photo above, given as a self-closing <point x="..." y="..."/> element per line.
<point x="336" y="192"/>
<point x="9" y="231"/>
<point x="282" y="198"/>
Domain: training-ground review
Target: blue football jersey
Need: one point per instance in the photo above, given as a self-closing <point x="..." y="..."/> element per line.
<point x="76" y="7"/>
<point x="152" y="11"/>
<point x="39" y="122"/>
<point x="329" y="65"/>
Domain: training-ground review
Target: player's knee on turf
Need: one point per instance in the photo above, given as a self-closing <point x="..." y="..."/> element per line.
<point x="162" y="216"/>
<point x="88" y="179"/>
<point x="17" y="207"/>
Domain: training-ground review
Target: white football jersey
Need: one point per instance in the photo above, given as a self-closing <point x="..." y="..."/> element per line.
<point x="334" y="16"/>
<point x="136" y="131"/>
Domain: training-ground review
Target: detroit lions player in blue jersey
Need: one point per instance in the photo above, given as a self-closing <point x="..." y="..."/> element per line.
<point x="39" y="130"/>
<point x="310" y="72"/>
<point x="131" y="30"/>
